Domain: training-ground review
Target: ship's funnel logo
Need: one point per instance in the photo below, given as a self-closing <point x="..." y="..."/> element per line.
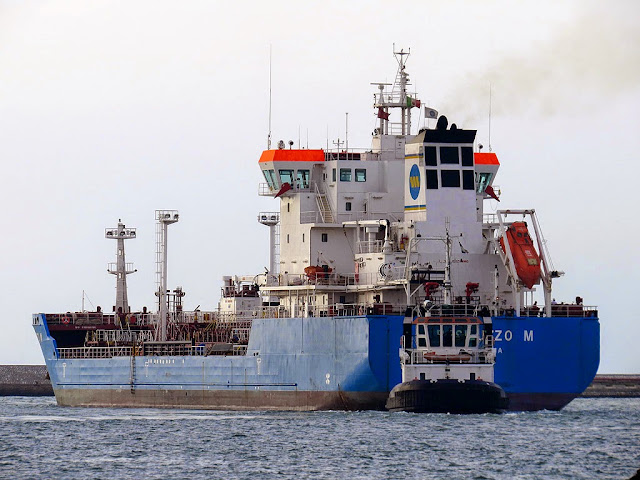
<point x="414" y="181"/>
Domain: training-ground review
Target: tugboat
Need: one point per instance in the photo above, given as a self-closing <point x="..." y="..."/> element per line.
<point x="448" y="369"/>
<point x="447" y="356"/>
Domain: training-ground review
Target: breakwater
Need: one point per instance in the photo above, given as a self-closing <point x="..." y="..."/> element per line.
<point x="614" y="386"/>
<point x="32" y="380"/>
<point x="27" y="380"/>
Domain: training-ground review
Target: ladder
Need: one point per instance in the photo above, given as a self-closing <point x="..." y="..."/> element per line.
<point x="132" y="376"/>
<point x="323" y="206"/>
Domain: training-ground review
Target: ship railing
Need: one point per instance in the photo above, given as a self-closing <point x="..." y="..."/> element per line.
<point x="345" y="154"/>
<point x="94" y="352"/>
<point x="115" y="336"/>
<point x="314" y="216"/>
<point x="163" y="349"/>
<point x="425" y="356"/>
<point x="559" y="310"/>
<point x="336" y="279"/>
<point x="265" y="190"/>
<point x="490" y="219"/>
<point x="98" y="318"/>
<point x="573" y="310"/>
<point x="369" y="215"/>
<point x="346" y="309"/>
<point x="370" y="246"/>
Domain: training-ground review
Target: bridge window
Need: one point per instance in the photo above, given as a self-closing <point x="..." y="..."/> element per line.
<point x="303" y="178"/>
<point x="484" y="179"/>
<point x="449" y="155"/>
<point x="447" y="335"/>
<point x="434" y="335"/>
<point x="467" y="180"/>
<point x="461" y="335"/>
<point x="467" y="156"/>
<point x="432" y="179"/>
<point x="473" y="336"/>
<point x="450" y="178"/>
<point x="347" y="206"/>
<point x="421" y="338"/>
<point x="270" y="177"/>
<point x="430" y="157"/>
<point x="345" y="174"/>
<point x="361" y="175"/>
<point x="286" y="176"/>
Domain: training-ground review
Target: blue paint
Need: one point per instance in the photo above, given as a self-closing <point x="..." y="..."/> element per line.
<point x="355" y="354"/>
<point x="414" y="181"/>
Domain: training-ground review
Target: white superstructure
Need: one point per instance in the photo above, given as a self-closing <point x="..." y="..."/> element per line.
<point x="366" y="230"/>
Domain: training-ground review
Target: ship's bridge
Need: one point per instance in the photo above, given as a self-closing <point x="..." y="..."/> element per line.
<point x="288" y="170"/>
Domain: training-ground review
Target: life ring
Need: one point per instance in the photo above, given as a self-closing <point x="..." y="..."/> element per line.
<point x="66" y="319"/>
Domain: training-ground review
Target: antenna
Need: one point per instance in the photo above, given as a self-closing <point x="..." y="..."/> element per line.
<point x="269" y="135"/>
<point x="489" y="116"/>
<point x="346" y="134"/>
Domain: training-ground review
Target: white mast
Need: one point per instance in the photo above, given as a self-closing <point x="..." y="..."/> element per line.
<point x="121" y="269"/>
<point x="164" y="219"/>
<point x="396" y="99"/>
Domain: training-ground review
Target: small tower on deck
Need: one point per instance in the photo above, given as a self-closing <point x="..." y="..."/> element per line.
<point x="164" y="218"/>
<point x="121" y="269"/>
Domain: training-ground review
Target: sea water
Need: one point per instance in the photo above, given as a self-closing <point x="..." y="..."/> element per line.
<point x="589" y="439"/>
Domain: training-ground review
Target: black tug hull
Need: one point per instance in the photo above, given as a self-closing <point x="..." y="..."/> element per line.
<point x="447" y="396"/>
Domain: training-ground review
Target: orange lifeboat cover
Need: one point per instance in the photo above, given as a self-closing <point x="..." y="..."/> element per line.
<point x="524" y="254"/>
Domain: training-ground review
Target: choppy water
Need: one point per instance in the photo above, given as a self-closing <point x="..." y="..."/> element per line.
<point x="590" y="439"/>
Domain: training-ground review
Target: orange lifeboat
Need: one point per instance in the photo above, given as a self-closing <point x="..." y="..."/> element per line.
<point x="314" y="272"/>
<point x="525" y="257"/>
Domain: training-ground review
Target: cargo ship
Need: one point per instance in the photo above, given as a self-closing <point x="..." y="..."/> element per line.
<point x="366" y="244"/>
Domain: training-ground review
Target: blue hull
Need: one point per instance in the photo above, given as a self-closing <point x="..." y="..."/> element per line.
<point x="325" y="363"/>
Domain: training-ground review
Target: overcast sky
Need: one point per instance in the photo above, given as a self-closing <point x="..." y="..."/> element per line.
<point x="114" y="109"/>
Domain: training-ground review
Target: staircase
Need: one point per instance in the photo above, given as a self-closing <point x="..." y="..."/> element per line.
<point x="324" y="207"/>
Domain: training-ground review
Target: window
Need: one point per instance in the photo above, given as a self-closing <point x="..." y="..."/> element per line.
<point x="467" y="180"/>
<point x="324" y="237"/>
<point x="434" y="335"/>
<point x="347" y="206"/>
<point x="287" y="238"/>
<point x="430" y="157"/>
<point x="467" y="156"/>
<point x="288" y="207"/>
<point x="432" y="179"/>
<point x="447" y="337"/>
<point x="303" y="238"/>
<point x="345" y="174"/>
<point x="361" y="175"/>
<point x="473" y="336"/>
<point x="270" y="177"/>
<point x="461" y="335"/>
<point x="333" y="175"/>
<point x="484" y="179"/>
<point x="421" y="337"/>
<point x="449" y="155"/>
<point x="286" y="176"/>
<point x="450" y="178"/>
<point x="303" y="178"/>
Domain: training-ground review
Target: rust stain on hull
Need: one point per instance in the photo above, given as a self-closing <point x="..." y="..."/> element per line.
<point x="222" y="400"/>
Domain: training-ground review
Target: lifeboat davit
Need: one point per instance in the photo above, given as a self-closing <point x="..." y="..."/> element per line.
<point x="525" y="257"/>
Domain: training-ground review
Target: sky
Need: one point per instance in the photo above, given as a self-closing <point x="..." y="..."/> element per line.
<point x="111" y="109"/>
